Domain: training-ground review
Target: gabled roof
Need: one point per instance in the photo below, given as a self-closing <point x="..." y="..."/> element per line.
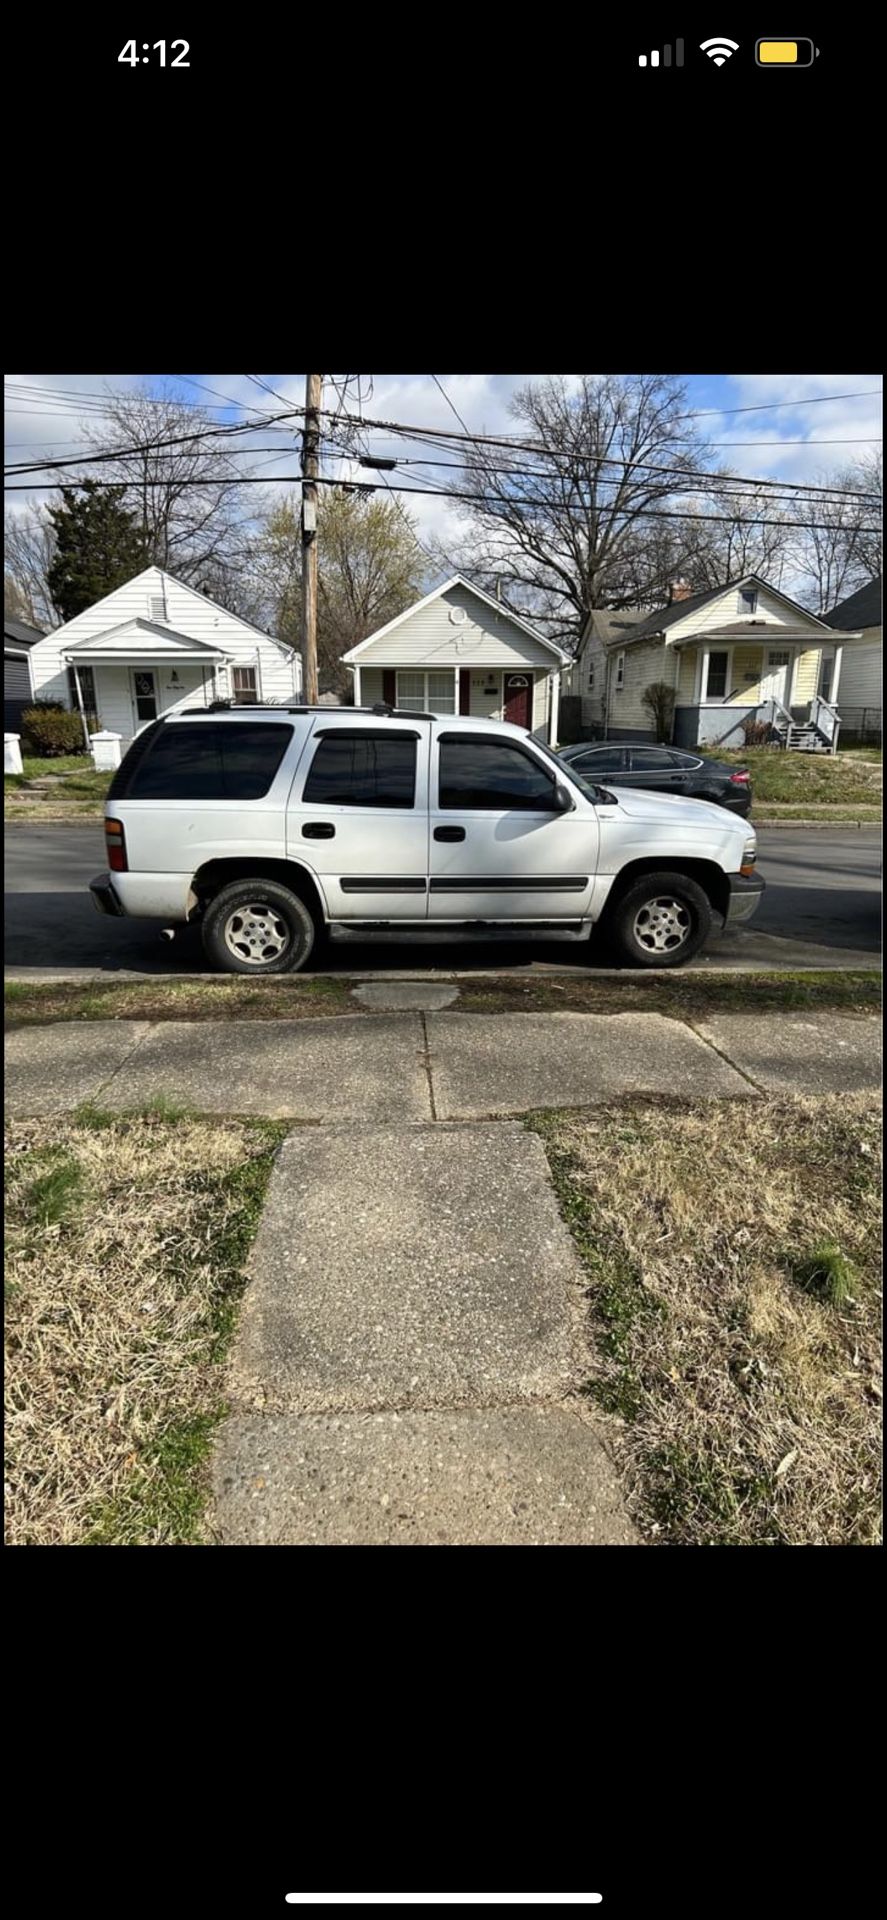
<point x="146" y="637"/>
<point x="457" y="580"/>
<point x="863" y="609"/>
<point x="613" y="624"/>
<point x="160" y="574"/>
<point x="676" y="610"/>
<point x="20" y="634"/>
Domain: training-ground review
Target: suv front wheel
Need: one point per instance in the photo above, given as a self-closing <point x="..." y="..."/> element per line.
<point x="661" y="920"/>
<point x="257" y="926"/>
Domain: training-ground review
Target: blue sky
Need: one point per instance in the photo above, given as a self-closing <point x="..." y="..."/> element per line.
<point x="801" y="441"/>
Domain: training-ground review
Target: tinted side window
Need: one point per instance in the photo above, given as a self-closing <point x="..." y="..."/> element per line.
<point x="684" y="760"/>
<point x="363" y="770"/>
<point x="646" y="760"/>
<point x="605" y="760"/>
<point x="493" y="774"/>
<point x="212" y="761"/>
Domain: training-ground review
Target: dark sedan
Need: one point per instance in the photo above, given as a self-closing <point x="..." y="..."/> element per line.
<point x="663" y="770"/>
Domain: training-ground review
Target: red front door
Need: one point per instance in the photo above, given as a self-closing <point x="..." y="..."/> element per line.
<point x="518" y="687"/>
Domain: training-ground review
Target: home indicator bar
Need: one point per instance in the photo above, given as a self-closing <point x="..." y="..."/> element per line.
<point x="653" y="59"/>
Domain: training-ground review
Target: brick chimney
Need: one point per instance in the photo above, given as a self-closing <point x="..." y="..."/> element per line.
<point x="680" y="590"/>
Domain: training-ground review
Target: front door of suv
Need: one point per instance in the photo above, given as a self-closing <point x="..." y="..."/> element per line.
<point x="358" y="817"/>
<point x="499" y="848"/>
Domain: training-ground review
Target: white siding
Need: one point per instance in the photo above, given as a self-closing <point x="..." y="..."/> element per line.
<point x="726" y="610"/>
<point x="188" y="612"/>
<point x="644" y="663"/>
<point x="860" y="684"/>
<point x="428" y="638"/>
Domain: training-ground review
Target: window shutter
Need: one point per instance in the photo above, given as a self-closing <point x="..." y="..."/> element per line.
<point x="389" y="687"/>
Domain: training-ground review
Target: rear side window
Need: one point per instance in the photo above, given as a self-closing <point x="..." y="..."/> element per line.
<point x="362" y="770"/>
<point x="211" y="761"/>
<point x="492" y="774"/>
<point x="647" y="760"/>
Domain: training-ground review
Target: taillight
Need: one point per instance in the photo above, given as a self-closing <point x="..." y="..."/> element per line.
<point x="739" y="779"/>
<point x="115" y="841"/>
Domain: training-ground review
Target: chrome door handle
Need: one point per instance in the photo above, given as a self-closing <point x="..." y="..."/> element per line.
<point x="449" y="833"/>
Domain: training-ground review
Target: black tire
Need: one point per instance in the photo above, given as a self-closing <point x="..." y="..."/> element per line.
<point x="277" y="936"/>
<point x="690" y="917"/>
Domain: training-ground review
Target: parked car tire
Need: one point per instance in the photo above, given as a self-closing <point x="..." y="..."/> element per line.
<point x="257" y="926"/>
<point x="660" y="921"/>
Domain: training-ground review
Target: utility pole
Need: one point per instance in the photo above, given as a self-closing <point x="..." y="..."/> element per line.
<point x="310" y="440"/>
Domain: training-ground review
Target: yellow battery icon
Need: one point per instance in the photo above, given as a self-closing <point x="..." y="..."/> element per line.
<point x="785" y="53"/>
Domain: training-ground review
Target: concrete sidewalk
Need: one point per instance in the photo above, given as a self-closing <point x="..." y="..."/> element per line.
<point x="414" y="1066"/>
<point x="413" y="1341"/>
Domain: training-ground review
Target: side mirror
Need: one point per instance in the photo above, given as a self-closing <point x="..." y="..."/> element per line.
<point x="563" y="799"/>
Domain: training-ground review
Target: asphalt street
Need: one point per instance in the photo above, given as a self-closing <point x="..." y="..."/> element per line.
<point x="822" y="907"/>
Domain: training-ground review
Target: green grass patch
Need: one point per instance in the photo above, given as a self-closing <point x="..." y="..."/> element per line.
<point x="118" y="1324"/>
<point x="826" y="1273"/>
<point x="807" y="777"/>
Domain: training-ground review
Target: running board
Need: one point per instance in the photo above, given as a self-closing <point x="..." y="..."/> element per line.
<point x="459" y="930"/>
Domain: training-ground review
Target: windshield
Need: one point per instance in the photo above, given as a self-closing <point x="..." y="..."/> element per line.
<point x="592" y="789"/>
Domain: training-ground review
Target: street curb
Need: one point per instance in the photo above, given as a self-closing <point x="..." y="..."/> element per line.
<point x="825" y="820"/>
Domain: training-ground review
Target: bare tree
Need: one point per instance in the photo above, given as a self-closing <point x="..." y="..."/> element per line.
<point x="186" y="498"/>
<point x="839" y="546"/>
<point x="30" y="550"/>
<point x="560" y="517"/>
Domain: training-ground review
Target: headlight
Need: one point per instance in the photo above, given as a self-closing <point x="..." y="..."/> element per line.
<point x="750" y="854"/>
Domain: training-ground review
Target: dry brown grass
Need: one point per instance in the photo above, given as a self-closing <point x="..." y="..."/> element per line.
<point x="751" y="1404"/>
<point x="125" y="1243"/>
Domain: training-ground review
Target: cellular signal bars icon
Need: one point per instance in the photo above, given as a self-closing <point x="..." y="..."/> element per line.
<point x="653" y="60"/>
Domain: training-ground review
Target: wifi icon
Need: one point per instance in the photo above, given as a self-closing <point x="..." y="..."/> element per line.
<point x="719" y="48"/>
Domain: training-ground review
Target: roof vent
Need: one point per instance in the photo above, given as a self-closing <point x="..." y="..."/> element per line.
<point x="458" y="616"/>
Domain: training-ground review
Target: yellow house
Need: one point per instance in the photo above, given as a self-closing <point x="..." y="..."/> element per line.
<point x="742" y="651"/>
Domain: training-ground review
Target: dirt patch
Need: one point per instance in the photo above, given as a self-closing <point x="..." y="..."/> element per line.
<point x="734" y="1311"/>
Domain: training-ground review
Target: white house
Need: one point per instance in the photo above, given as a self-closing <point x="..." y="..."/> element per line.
<point x="857" y="629"/>
<point x="740" y="651"/>
<point x="459" y="651"/>
<point x="155" y="646"/>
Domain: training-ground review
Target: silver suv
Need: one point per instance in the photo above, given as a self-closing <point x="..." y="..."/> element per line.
<point x="271" y="825"/>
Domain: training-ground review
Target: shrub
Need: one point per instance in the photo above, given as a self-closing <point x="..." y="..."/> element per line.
<point x="757" y="733"/>
<point x="659" y="701"/>
<point x="49" y="730"/>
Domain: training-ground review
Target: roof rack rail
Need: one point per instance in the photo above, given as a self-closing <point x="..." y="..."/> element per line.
<point x="381" y="709"/>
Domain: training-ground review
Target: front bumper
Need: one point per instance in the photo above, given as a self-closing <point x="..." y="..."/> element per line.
<point x="103" y="895"/>
<point x="745" y="897"/>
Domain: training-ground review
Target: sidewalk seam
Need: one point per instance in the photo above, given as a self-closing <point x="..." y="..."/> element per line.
<point x="104" y="1085"/>
<point x="426" y="1061"/>
<point x="727" y="1060"/>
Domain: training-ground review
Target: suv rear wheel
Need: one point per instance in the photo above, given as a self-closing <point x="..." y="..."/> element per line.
<point x="660" y="921"/>
<point x="257" y="926"/>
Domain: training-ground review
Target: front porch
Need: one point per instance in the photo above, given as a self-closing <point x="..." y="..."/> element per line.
<point x="783" y="683"/>
<point x="133" y="674"/>
<point x="525" y="696"/>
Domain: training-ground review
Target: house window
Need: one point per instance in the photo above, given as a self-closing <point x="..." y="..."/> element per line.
<point x="244" y="685"/>
<point x="716" y="685"/>
<point x="825" y="676"/>
<point x="87" y="690"/>
<point x="748" y="600"/>
<point x="426" y="692"/>
<point x="591" y="676"/>
<point x="620" y="672"/>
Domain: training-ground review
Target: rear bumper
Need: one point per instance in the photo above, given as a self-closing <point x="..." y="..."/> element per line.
<point x="103" y="895"/>
<point x="745" y="897"/>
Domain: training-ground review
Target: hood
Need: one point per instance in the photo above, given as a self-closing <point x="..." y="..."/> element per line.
<point x="640" y="804"/>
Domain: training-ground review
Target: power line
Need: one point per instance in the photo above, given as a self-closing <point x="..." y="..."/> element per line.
<point x="450" y="493"/>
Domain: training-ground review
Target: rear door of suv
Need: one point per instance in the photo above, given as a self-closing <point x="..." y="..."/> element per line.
<point x="358" y="817"/>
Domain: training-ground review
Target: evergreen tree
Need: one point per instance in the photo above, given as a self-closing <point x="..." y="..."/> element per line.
<point x="98" y="547"/>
